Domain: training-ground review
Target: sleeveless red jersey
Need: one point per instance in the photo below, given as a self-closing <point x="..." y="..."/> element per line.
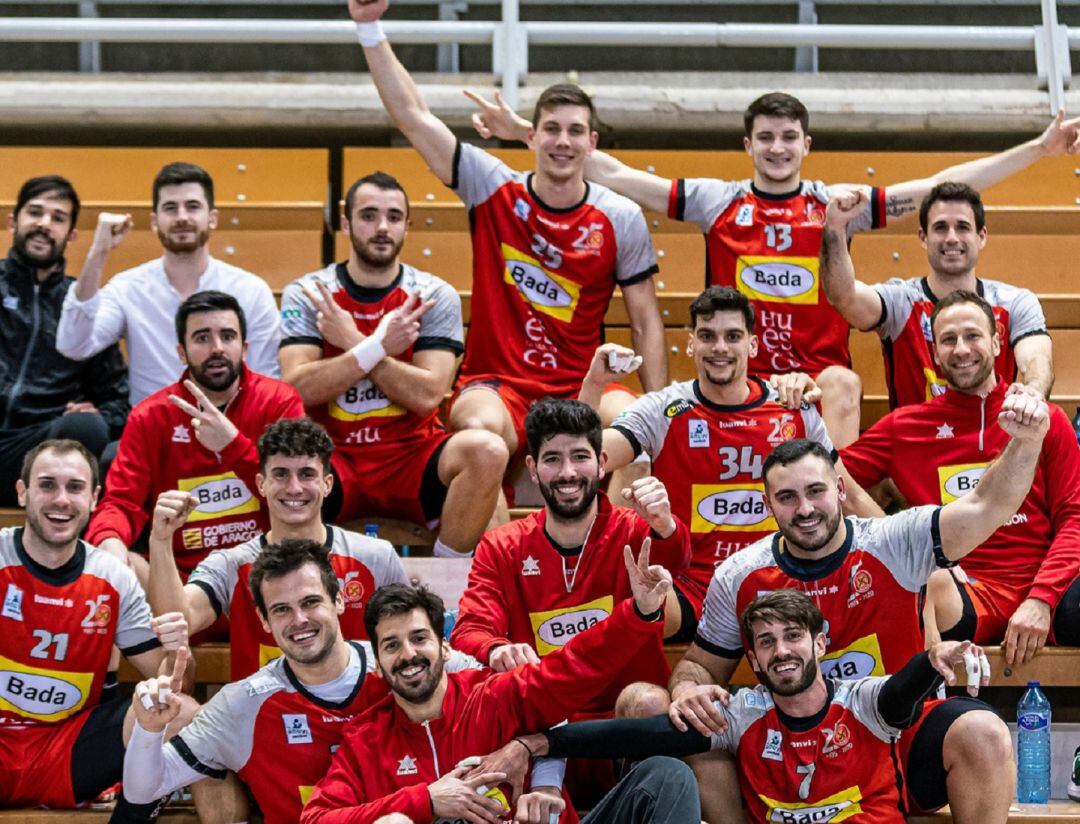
<point x="542" y="277"/>
<point x="58" y="628"/>
<point x="839" y="766"/>
<point x="767" y="246"/>
<point x="363" y="414"/>
<point x="709" y="457"/>
<point x="361" y="564"/>
<point x="907" y="342"/>
<point x="868" y="592"/>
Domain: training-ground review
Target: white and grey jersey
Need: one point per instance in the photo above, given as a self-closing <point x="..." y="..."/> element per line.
<point x="440" y="327"/>
<point x="219" y="573"/>
<point x="899" y="296"/>
<point x="706" y="198"/>
<point x="905" y="544"/>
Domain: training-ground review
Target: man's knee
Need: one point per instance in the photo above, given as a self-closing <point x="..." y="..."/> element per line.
<point x="977" y="741"/>
<point x="642" y="700"/>
<point x="663" y="770"/>
<point x="840" y="384"/>
<point x="482" y="452"/>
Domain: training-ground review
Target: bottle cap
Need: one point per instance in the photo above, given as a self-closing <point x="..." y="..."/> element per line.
<point x="1034" y="684"/>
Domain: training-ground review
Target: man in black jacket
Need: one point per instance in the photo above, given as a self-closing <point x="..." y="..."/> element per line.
<point x="43" y="394"/>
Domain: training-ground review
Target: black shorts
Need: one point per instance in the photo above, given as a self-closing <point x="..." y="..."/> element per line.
<point x="925" y="767"/>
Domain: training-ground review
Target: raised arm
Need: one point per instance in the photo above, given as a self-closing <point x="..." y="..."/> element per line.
<point x="400" y="95"/>
<point x="647" y="333"/>
<point x="1035" y="363"/>
<point x="1060" y="137"/>
<point x="856" y="302"/>
<point x="968" y="521"/>
<point x="165" y="591"/>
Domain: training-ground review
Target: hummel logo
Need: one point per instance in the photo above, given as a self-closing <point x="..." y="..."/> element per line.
<point x="406" y="766"/>
<point x="944" y="431"/>
<point x="530" y="566"/>
<point x="180" y="434"/>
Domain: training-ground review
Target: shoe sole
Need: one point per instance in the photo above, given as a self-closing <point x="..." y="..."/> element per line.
<point x="1074" y="791"/>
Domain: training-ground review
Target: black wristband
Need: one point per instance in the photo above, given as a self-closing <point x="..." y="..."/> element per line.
<point x="526" y="746"/>
<point x="652" y="617"/>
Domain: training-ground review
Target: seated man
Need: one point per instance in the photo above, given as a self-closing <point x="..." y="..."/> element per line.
<point x="707" y="439"/>
<point x="400" y="757"/>
<point x="371" y="345"/>
<point x="44" y="394"/>
<point x="197" y="435"/>
<point x="294" y="478"/>
<point x="952" y="228"/>
<point x="317" y="685"/>
<point x="865" y="574"/>
<point x="548" y="247"/>
<point x="139" y="304"/>
<point x="810" y="748"/>
<point x="65" y="607"/>
<point x="1021" y="586"/>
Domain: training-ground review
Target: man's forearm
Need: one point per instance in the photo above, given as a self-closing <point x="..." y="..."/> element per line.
<point x="647" y="337"/>
<point x="90" y="277"/>
<point x="624" y="738"/>
<point x="164" y="589"/>
<point x="417" y="389"/>
<point x="901" y="697"/>
<point x="686" y="675"/>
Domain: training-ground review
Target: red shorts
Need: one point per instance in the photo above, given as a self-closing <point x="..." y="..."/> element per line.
<point x="989" y="605"/>
<point x="398" y="480"/>
<point x="37" y="765"/>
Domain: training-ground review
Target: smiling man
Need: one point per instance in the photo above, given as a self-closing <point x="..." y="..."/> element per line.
<point x="44" y="395"/>
<point x="294" y="479"/>
<point x="548" y="251"/>
<point x="952" y="229"/>
<point x="1021" y="587"/>
<point x="139" y="303"/>
<point x="197" y="435"/>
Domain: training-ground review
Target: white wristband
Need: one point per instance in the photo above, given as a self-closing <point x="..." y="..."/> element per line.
<point x="370" y="34"/>
<point x="369" y="352"/>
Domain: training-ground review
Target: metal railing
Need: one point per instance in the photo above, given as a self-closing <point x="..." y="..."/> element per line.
<point x="510" y="38"/>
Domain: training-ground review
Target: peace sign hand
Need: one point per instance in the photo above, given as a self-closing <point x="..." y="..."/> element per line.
<point x="212" y="429"/>
<point x="649" y="583"/>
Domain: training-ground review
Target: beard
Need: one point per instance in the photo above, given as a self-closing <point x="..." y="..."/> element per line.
<point x="41" y="260"/>
<point x="831" y="524"/>
<point x="36" y="521"/>
<point x="972" y="381"/>
<point x="201" y="374"/>
<point x="368" y="253"/>
<point x="570" y="512"/>
<point x="181" y="247"/>
<point x="314" y="656"/>
<point x="810" y="670"/>
<point x="422" y="691"/>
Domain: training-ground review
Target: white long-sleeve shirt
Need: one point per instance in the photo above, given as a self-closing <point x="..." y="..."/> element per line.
<point x="140" y="305"/>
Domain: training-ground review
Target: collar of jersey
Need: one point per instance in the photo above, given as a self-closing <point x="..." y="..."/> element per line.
<point x="781" y="196"/>
<point x="63" y="575"/>
<point x="809" y="722"/>
<point x="963" y="399"/>
<point x="552" y="209"/>
<point x="313" y="698"/>
<point x="930" y="296"/>
<point x="328" y="544"/>
<point x="742" y="407"/>
<point x="366" y="294"/>
<point x="603" y="510"/>
<point x="804" y="569"/>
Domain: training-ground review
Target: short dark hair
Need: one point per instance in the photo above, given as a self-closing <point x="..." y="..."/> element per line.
<point x="564" y="94"/>
<point x="776" y="104"/>
<point x="795" y="450"/>
<point x="380" y="180"/>
<point x="958" y="297"/>
<point x="55" y="185"/>
<point x="399" y="599"/>
<point x="786" y="606"/>
<point x="953" y="192"/>
<point x="175" y="174"/>
<point x="208" y="301"/>
<point x="549" y="417"/>
<point x="722" y="299"/>
<point x="61" y="446"/>
<point x="295" y="438"/>
<point x="288" y="555"/>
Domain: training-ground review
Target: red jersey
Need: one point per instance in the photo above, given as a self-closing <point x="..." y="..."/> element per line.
<point x="542" y="277"/>
<point x="709" y="457"/>
<point x="523" y="590"/>
<point x="907" y="342"/>
<point x="58" y="628"/>
<point x="363" y="414"/>
<point x="767" y="247"/>
<point x="159" y="451"/>
<point x="386" y="761"/>
<point x="361" y="564"/>
<point x="1037" y="551"/>
<point x="841" y="767"/>
<point x="868" y="592"/>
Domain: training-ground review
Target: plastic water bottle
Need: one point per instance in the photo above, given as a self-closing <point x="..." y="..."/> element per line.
<point x="449" y="619"/>
<point x="371" y="530"/>
<point x="1033" y="747"/>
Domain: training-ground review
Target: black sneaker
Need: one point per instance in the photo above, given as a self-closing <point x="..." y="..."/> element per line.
<point x="1074" y="780"/>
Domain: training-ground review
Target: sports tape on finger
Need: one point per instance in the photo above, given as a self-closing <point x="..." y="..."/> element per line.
<point x="973" y="667"/>
<point x="624" y="362"/>
<point x="147" y="701"/>
<point x="163" y="695"/>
